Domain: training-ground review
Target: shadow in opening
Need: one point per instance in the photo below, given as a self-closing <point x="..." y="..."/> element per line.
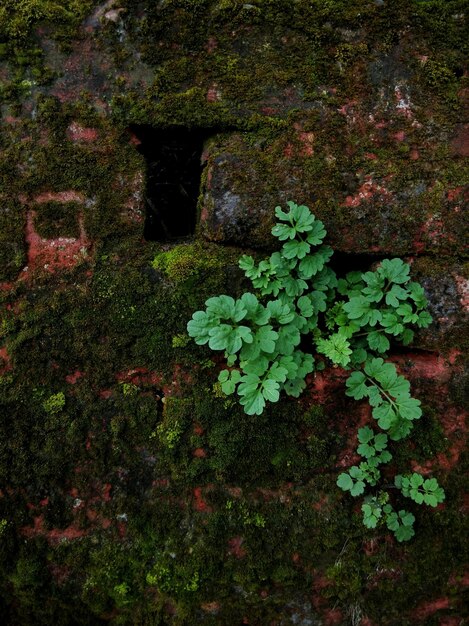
<point x="173" y="158"/>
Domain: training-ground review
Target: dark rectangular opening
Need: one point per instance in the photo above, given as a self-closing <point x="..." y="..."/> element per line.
<point x="174" y="168"/>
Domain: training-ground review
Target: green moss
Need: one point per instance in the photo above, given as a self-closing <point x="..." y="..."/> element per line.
<point x="192" y="261"/>
<point x="120" y="322"/>
<point x="18" y="17"/>
<point x="55" y="403"/>
<point x="57" y="220"/>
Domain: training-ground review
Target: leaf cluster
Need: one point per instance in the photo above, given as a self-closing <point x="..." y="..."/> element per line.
<point x="260" y="332"/>
<point x="377" y="510"/>
<point x="373" y="448"/>
<point x="389" y="395"/>
<point x="350" y="321"/>
<point x="420" y="490"/>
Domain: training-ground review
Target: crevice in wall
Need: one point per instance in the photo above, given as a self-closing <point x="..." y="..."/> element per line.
<point x="173" y="173"/>
<point x="344" y="262"/>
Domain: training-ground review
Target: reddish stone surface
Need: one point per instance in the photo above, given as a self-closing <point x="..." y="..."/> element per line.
<point x="139" y="376"/>
<point x="199" y="502"/>
<point x="454" y="423"/>
<point x="199" y="453"/>
<point x="460" y="143"/>
<point x="76" y="132"/>
<point x="366" y="192"/>
<point x="427" y="609"/>
<point x="59" y="196"/>
<point x="213" y="93"/>
<point x="73" y="378"/>
<point x="5" y="364"/>
<point x="54" y="535"/>
<point x="211" y="607"/>
<point x="235" y="547"/>
<point x="57" y="254"/>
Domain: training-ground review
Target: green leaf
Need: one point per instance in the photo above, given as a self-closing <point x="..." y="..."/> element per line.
<point x="359" y="356"/>
<point x="253" y="403"/>
<point x="229" y="380"/>
<point x="430" y="499"/>
<point x="374" y="367"/>
<point x="357" y="489"/>
<point x="391" y="322"/>
<point x="387" y="375"/>
<point x="377" y="341"/>
<point x="200" y="325"/>
<point x="373" y="317"/>
<point x="231" y="359"/>
<point x="400" y="429"/>
<point x="384" y="457"/>
<point x="258" y="366"/>
<point x="385" y="414"/>
<point x="409" y="408"/>
<point x="424" y="319"/>
<point x="344" y="482"/>
<point x="392" y="521"/>
<point x="314" y="263"/>
<point x="294" y="387"/>
<point x="417" y="293"/>
<point x="264" y="340"/>
<point x="278" y="373"/>
<point x="406" y="312"/>
<point x="283" y="313"/>
<point x="283" y="232"/>
<point x="365" y="450"/>
<point x="374" y="289"/>
<point x="416" y="480"/>
<point x="251" y="397"/>
<point x="289" y="364"/>
<point x="374" y="396"/>
<point x="406" y="518"/>
<point x="302" y="216"/>
<point x="254" y="310"/>
<point x="407" y="336"/>
<point x="247" y="264"/>
<point x="325" y="280"/>
<point x="224" y="307"/>
<point x="357" y="307"/>
<point x="372" y="512"/>
<point x="270" y="390"/>
<point x="305" y="363"/>
<point x="229" y="338"/>
<point x="295" y="249"/>
<point x="356" y="472"/>
<point x="394" y="270"/>
<point x="336" y="348"/>
<point x="223" y="376"/>
<point x="380" y="442"/>
<point x="395" y="294"/>
<point x="356" y="387"/>
<point x="365" y="434"/>
<point x="317" y="233"/>
<point x="282" y="215"/>
<point x="288" y="338"/>
<point x="404" y="533"/>
<point x="319" y="301"/>
<point x="305" y="305"/>
<point x="293" y="287"/>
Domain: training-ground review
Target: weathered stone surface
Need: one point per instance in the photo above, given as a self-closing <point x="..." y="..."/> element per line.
<point x="130" y="490"/>
<point x="367" y="212"/>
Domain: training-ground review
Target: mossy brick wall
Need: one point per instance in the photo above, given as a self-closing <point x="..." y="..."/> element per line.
<point x="131" y="493"/>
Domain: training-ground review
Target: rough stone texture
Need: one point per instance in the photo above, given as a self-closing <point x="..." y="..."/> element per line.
<point x="130" y="492"/>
